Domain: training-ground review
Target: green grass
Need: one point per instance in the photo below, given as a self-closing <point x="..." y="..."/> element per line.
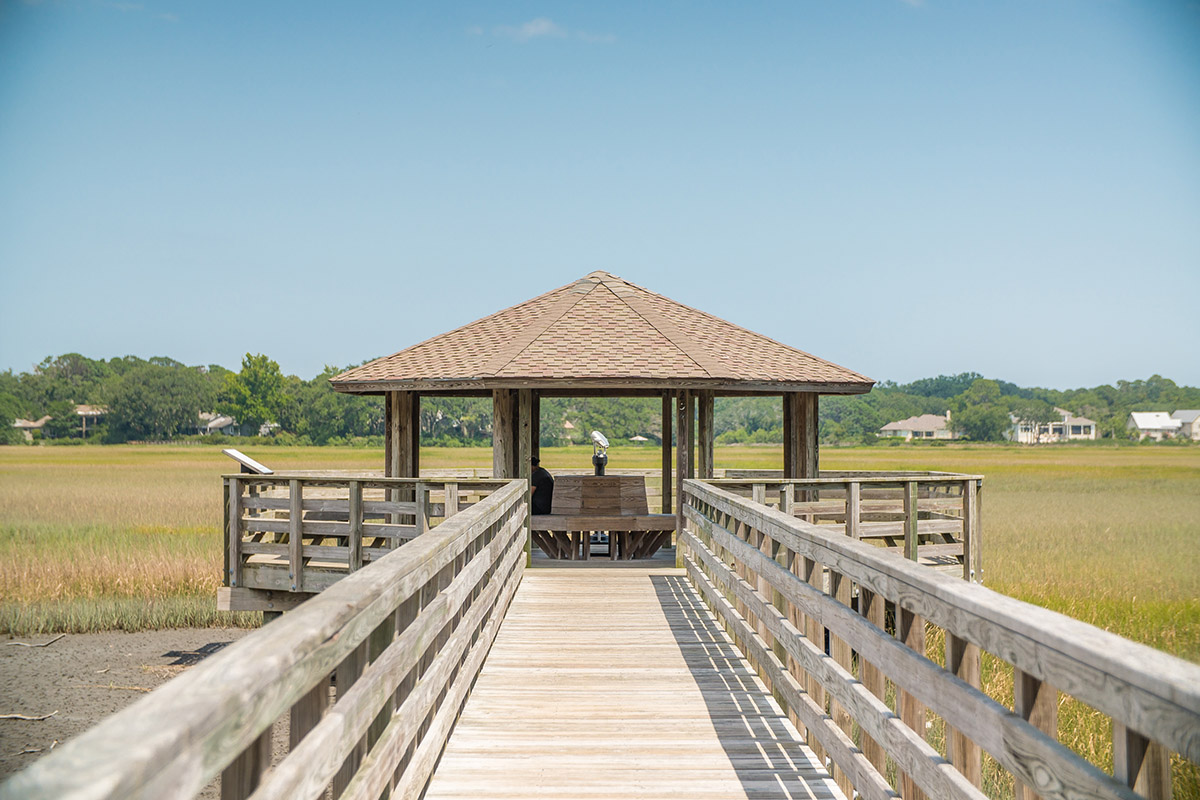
<point x="103" y="538"/>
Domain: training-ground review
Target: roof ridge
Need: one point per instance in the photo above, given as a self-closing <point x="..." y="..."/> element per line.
<point x="553" y="314"/>
<point x="666" y="328"/>
<point x="724" y="321"/>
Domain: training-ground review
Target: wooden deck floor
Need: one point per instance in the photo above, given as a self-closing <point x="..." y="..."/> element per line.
<point x="615" y="682"/>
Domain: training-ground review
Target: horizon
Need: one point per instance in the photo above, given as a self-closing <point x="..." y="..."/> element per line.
<point x="909" y="188"/>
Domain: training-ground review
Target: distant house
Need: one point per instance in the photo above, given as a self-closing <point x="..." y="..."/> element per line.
<point x="1189" y="423"/>
<point x="27" y="427"/>
<point x="1156" y="425"/>
<point x="926" y="426"/>
<point x="211" y="422"/>
<point x="1072" y="428"/>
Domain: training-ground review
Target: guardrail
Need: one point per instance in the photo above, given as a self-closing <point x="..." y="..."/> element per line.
<point x="931" y="517"/>
<point x="300" y="533"/>
<point x="840" y="631"/>
<point x="400" y="641"/>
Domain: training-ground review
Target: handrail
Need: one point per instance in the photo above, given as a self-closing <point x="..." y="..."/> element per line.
<point x="931" y="517"/>
<point x="298" y="534"/>
<point x="402" y="640"/>
<point x="781" y="584"/>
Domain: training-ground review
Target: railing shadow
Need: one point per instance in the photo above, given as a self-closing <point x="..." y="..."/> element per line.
<point x="763" y="748"/>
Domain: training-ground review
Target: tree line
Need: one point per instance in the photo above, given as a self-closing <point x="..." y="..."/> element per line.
<point x="161" y="399"/>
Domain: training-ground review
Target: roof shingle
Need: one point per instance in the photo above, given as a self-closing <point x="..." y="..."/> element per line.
<point x="600" y="330"/>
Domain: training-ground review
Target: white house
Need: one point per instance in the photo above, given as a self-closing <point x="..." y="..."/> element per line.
<point x="211" y="422"/>
<point x="1072" y="428"/>
<point x="926" y="426"/>
<point x="1156" y="425"/>
<point x="1189" y="423"/>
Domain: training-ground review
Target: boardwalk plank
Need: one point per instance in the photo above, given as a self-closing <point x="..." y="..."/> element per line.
<point x="611" y="683"/>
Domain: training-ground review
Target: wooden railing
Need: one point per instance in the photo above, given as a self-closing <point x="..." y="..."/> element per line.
<point x="300" y="533"/>
<point x="400" y="642"/>
<point x="840" y="631"/>
<point x="931" y="517"/>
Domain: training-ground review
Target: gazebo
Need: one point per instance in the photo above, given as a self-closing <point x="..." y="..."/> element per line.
<point x="601" y="336"/>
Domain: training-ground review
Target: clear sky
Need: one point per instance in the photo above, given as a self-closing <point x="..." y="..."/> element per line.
<point x="905" y="188"/>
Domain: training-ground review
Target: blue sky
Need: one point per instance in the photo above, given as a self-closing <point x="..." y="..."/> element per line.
<point x="905" y="188"/>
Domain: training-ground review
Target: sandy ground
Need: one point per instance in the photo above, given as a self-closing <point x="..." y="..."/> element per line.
<point x="84" y="678"/>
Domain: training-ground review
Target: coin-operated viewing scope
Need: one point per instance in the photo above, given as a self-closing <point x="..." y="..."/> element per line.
<point x="599" y="451"/>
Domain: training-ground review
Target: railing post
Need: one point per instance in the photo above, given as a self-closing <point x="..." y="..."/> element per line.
<point x="977" y="566"/>
<point x="234" y="528"/>
<point x="874" y="608"/>
<point x="910" y="520"/>
<point x="241" y="778"/>
<point x="451" y="501"/>
<point x="910" y="628"/>
<point x="296" y="534"/>
<point x="970" y="540"/>
<point x="963" y="659"/>
<point x="1141" y="764"/>
<point x="1036" y="702"/>
<point x="354" y="535"/>
<point x="853" y="509"/>
<point x="225" y="531"/>
<point x="421" y="500"/>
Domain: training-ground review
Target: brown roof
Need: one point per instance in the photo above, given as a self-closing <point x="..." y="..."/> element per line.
<point x="601" y="332"/>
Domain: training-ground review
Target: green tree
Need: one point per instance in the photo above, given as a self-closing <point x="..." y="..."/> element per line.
<point x="1035" y="414"/>
<point x="64" y="422"/>
<point x="155" y="401"/>
<point x="255" y="395"/>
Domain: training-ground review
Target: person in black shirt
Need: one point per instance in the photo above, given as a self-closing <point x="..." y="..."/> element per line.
<point x="543" y="489"/>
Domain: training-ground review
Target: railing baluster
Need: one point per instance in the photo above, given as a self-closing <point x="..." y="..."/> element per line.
<point x="814" y="574"/>
<point x="235" y="532"/>
<point x="910" y="629"/>
<point x="963" y="659"/>
<point x="451" y="500"/>
<point x="874" y="608"/>
<point x="853" y="509"/>
<point x="242" y="777"/>
<point x="1141" y="764"/>
<point x="910" y="520"/>
<point x="354" y="534"/>
<point x="296" y="534"/>
<point x="345" y="676"/>
<point x="839" y="587"/>
<point x="1036" y="702"/>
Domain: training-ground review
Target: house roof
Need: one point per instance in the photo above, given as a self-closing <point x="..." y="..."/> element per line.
<point x="1154" y="420"/>
<point x="1186" y="416"/>
<point x="30" y="424"/>
<point x="601" y="332"/>
<point x="90" y="411"/>
<point x="925" y="422"/>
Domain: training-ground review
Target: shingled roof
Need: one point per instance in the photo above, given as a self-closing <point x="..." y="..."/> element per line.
<point x="601" y="332"/>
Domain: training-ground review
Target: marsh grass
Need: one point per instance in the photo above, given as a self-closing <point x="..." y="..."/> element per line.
<point x="128" y="538"/>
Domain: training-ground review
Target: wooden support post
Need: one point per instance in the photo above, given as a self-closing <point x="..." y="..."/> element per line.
<point x="296" y="534"/>
<point x="853" y="509"/>
<point x="839" y="649"/>
<point x="683" y="460"/>
<point x="234" y="527"/>
<point x="241" y="778"/>
<point x="806" y="435"/>
<point x="535" y="423"/>
<point x="910" y="520"/>
<point x="813" y="574"/>
<point x="977" y="565"/>
<point x="1141" y="764"/>
<point x="1036" y="702"/>
<point x="704" y="436"/>
<point x="789" y="436"/>
<point x="503" y="435"/>
<point x="873" y="607"/>
<point x="346" y="674"/>
<point x="354" y="535"/>
<point x="225" y="532"/>
<point x="524" y="456"/>
<point x="451" y="500"/>
<point x="970" y="541"/>
<point x="421" y="501"/>
<point x="307" y="711"/>
<point x="668" y="412"/>
<point x="963" y="659"/>
<point x="910" y="629"/>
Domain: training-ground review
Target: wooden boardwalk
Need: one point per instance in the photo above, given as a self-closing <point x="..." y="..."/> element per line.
<point x="616" y="682"/>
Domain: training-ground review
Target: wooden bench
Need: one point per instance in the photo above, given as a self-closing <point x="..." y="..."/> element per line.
<point x="615" y="504"/>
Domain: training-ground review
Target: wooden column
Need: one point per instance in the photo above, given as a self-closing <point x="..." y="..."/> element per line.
<point x="535" y="424"/>
<point x="1036" y="702"/>
<point x="402" y="435"/>
<point x="704" y="465"/>
<point x="668" y="412"/>
<point x="684" y="407"/>
<point x="504" y="438"/>
<point x="524" y="455"/>
<point x="800" y="456"/>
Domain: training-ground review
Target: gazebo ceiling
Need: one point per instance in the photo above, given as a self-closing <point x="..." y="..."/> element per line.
<point x="601" y="333"/>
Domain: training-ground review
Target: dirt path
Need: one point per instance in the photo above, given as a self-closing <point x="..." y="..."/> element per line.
<point x="86" y="677"/>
